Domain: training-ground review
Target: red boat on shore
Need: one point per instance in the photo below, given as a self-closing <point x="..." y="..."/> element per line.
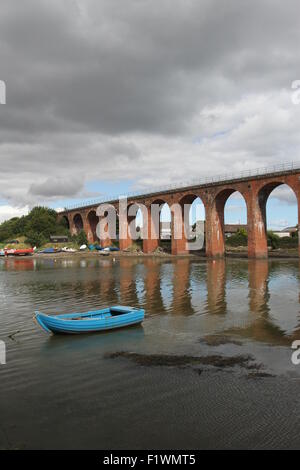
<point x="18" y="252"/>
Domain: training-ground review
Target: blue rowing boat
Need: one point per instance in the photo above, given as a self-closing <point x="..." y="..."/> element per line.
<point x="99" y="320"/>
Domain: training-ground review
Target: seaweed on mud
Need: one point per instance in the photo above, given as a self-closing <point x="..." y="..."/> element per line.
<point x="12" y="336"/>
<point x="154" y="360"/>
<point x="260" y="375"/>
<point x="218" y="340"/>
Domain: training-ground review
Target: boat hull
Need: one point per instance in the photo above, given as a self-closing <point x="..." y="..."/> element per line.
<point x="19" y="252"/>
<point x="90" y="322"/>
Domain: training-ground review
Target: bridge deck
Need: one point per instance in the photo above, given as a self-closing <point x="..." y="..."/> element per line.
<point x="249" y="175"/>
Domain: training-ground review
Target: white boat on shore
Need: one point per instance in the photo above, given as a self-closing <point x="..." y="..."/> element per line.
<point x="65" y="249"/>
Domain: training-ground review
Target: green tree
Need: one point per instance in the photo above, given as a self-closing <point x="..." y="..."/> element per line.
<point x="39" y="224"/>
<point x="81" y="238"/>
<point x="35" y="239"/>
<point x="273" y="239"/>
<point x="240" y="238"/>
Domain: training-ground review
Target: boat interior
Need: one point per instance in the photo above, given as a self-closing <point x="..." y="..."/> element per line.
<point x="99" y="314"/>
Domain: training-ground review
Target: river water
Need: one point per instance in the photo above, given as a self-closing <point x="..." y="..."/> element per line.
<point x="209" y="368"/>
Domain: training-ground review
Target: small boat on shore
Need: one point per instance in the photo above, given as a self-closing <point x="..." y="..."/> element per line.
<point x="19" y="252"/>
<point x="65" y="249"/>
<point x="88" y="322"/>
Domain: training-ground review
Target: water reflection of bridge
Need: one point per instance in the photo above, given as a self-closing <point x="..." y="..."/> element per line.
<point x="233" y="290"/>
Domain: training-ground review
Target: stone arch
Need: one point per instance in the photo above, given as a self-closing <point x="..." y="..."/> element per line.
<point x="78" y="223"/>
<point x="129" y="230"/>
<point x="263" y="194"/>
<point x="164" y="224"/>
<point x="137" y="220"/>
<point x="154" y="209"/>
<point x="215" y="232"/>
<point x="182" y="224"/>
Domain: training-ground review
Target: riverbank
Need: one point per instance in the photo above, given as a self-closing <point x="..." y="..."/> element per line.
<point x="280" y="253"/>
<point x="236" y="254"/>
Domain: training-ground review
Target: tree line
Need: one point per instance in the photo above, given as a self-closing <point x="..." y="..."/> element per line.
<point x="36" y="227"/>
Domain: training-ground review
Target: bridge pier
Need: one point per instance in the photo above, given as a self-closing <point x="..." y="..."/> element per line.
<point x="125" y="239"/>
<point x="88" y="231"/>
<point x="178" y="238"/>
<point x="256" y="221"/>
<point x="72" y="226"/>
<point x="214" y="230"/>
<point x="106" y="240"/>
<point x="151" y="242"/>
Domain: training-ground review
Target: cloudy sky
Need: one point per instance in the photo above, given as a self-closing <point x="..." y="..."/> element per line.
<point x="106" y="96"/>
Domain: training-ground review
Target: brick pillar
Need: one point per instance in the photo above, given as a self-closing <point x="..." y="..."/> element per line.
<point x="88" y="230"/>
<point x="214" y="229"/>
<point x="72" y="229"/>
<point x="178" y="239"/>
<point x="256" y="219"/>
<point x="151" y="242"/>
<point x="125" y="240"/>
<point x="105" y="241"/>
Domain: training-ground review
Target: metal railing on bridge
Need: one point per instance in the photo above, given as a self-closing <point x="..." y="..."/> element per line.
<point x="261" y="171"/>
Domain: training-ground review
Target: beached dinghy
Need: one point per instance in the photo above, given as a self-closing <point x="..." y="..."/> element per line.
<point x="100" y="320"/>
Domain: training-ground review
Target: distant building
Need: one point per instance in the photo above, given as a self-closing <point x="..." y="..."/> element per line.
<point x="286" y="232"/>
<point x="59" y="238"/>
<point x="232" y="229"/>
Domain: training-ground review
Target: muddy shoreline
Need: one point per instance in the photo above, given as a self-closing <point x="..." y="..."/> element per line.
<point x="280" y="254"/>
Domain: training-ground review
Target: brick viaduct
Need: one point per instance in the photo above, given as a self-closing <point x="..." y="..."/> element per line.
<point x="255" y="190"/>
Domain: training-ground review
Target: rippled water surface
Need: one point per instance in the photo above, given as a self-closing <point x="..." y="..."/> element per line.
<point x="75" y="392"/>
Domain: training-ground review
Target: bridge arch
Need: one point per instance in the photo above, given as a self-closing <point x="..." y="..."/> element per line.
<point x="153" y="235"/>
<point x="135" y="224"/>
<point x="78" y="223"/>
<point x="189" y="205"/>
<point x="216" y="220"/>
<point x="264" y="195"/>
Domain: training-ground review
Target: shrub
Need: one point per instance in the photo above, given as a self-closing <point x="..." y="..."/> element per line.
<point x="240" y="238"/>
<point x="273" y="240"/>
<point x="288" y="242"/>
<point x="80" y="238"/>
<point x="35" y="239"/>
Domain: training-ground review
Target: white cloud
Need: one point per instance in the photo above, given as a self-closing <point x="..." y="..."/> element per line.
<point x="8" y="212"/>
<point x="132" y="92"/>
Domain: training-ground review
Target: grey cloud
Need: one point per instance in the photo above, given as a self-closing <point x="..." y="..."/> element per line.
<point x="143" y="91"/>
<point x="57" y="187"/>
